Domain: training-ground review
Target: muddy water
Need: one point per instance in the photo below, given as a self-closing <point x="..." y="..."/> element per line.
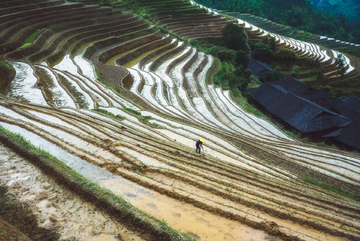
<point x="117" y="111"/>
<point x="79" y="143"/>
<point x="177" y="78"/>
<point x="54" y="206"/>
<point x="196" y="98"/>
<point x="192" y="129"/>
<point x="207" y="150"/>
<point x="63" y="123"/>
<point x="147" y="89"/>
<point x="15" y="115"/>
<point x="142" y="129"/>
<point x="60" y="97"/>
<point x="261" y="123"/>
<point x="201" y="78"/>
<point x="23" y="86"/>
<point x="240" y="159"/>
<point x="159" y="90"/>
<point x="67" y="64"/>
<point x="145" y="159"/>
<point x="330" y="173"/>
<point x="103" y="237"/>
<point x="147" y="94"/>
<point x="160" y="72"/>
<point x="85" y="96"/>
<point x="134" y="126"/>
<point x="178" y="184"/>
<point x="337" y="165"/>
<point x="137" y="80"/>
<point x="196" y="222"/>
<point x="245" y="128"/>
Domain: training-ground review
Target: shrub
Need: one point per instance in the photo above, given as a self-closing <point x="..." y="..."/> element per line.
<point x="262" y="52"/>
<point x="242" y="58"/>
<point x="234" y="36"/>
<point x="295" y="72"/>
<point x="286" y="54"/>
<point x="272" y="44"/>
<point x="276" y="74"/>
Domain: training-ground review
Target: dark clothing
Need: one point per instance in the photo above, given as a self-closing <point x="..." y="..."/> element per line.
<point x="198" y="146"/>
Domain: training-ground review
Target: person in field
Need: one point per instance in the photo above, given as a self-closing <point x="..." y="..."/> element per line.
<point x="199" y="146"/>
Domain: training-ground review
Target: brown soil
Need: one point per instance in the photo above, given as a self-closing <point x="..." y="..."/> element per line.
<point x="9" y="232"/>
<point x="59" y="212"/>
<point x="7" y="74"/>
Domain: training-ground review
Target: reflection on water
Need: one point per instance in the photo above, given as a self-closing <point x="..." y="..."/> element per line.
<point x="145" y="159"/>
<point x="23" y="87"/>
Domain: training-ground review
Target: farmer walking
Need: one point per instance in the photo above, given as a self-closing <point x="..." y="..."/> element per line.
<point x="199" y="145"/>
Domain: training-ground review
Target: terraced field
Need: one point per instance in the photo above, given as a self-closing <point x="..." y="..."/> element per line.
<point x="316" y="47"/>
<point x="116" y="101"/>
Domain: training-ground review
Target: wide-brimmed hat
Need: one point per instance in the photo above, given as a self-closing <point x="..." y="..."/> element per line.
<point x="202" y="140"/>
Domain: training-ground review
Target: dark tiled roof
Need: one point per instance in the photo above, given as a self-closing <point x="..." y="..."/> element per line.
<point x="267" y="93"/>
<point x="343" y="103"/>
<point x="351" y="114"/>
<point x="334" y="134"/>
<point x="258" y="68"/>
<point x="305" y="115"/>
<point x="299" y="88"/>
<point x="351" y="135"/>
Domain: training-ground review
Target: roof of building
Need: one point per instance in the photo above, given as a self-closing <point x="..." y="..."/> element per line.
<point x="305" y="115"/>
<point x="267" y="93"/>
<point x="351" y="114"/>
<point x="299" y="88"/>
<point x="258" y="68"/>
<point x="343" y="103"/>
<point x="350" y="135"/>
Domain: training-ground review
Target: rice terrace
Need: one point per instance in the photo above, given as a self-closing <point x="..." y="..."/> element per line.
<point x="102" y="103"/>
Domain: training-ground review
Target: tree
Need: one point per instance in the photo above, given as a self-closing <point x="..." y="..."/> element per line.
<point x="262" y="52"/>
<point x="234" y="36"/>
<point x="287" y="54"/>
<point x="341" y="63"/>
<point x="222" y="53"/>
<point x="276" y="74"/>
<point x="295" y="72"/>
<point x="242" y="58"/>
<point x="272" y="44"/>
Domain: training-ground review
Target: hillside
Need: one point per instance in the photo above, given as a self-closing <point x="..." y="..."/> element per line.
<point x="349" y="8"/>
<point x="298" y="14"/>
<point x="99" y="125"/>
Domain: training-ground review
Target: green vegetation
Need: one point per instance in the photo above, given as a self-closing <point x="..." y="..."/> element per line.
<point x="143" y="119"/>
<point x="332" y="188"/>
<point x="31" y="38"/>
<point x="105" y="112"/>
<point x="103" y="198"/>
<point x="234" y="37"/>
<point x="299" y="14"/>
<point x="350" y="7"/>
<point x="5" y="65"/>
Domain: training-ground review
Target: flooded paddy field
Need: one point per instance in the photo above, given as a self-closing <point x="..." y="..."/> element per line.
<point x="101" y="151"/>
